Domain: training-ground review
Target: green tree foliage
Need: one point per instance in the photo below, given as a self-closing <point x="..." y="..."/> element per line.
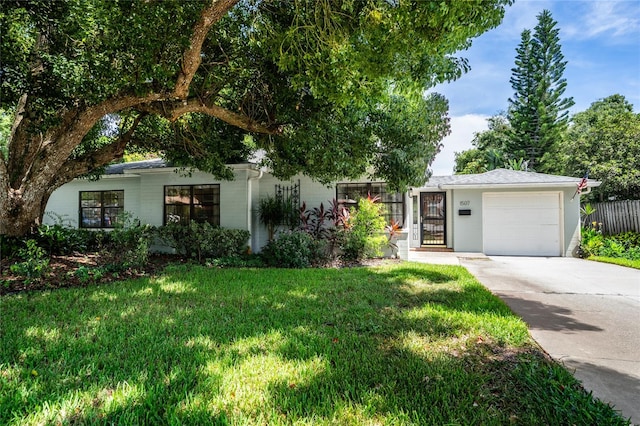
<point x="537" y="112"/>
<point x="488" y="146"/>
<point x="605" y="140"/>
<point x="307" y="80"/>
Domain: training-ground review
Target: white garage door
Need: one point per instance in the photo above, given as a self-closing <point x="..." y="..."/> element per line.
<point x="522" y="223"/>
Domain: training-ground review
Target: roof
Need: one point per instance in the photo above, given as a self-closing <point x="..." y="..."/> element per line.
<point x="120" y="168"/>
<point x="153" y="164"/>
<point x="504" y="178"/>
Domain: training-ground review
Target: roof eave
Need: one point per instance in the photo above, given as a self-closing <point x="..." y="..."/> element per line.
<point x="567" y="185"/>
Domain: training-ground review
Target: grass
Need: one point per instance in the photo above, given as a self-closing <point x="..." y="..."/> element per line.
<point x="617" y="261"/>
<point x="401" y="344"/>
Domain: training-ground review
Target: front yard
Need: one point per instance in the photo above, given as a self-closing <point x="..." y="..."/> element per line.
<point x="394" y="344"/>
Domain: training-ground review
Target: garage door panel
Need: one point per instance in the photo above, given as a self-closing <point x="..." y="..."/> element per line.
<point x="525" y="224"/>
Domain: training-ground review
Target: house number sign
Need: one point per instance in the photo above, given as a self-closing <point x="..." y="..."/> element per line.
<point x="465" y="203"/>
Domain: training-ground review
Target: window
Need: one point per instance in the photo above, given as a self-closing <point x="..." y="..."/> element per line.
<point x="348" y="195"/>
<point x="184" y="203"/>
<point x="101" y="209"/>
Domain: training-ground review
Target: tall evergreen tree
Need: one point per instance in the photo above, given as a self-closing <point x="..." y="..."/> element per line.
<point x="538" y="113"/>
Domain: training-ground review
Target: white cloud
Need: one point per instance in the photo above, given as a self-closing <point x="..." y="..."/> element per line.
<point x="615" y="19"/>
<point x="522" y="15"/>
<point x="463" y="129"/>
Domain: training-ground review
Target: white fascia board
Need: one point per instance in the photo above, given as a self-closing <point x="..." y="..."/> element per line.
<point x="115" y="176"/>
<point x="555" y="185"/>
<point x="240" y="166"/>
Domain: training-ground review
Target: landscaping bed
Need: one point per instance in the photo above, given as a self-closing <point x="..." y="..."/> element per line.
<point x="77" y="270"/>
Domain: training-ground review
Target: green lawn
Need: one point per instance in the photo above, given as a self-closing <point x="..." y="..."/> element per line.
<point x="401" y="344"/>
<point x="617" y="261"/>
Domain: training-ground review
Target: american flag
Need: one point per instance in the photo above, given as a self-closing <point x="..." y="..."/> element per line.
<point x="582" y="185"/>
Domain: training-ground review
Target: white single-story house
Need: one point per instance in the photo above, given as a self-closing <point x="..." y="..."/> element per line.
<point x="501" y="212"/>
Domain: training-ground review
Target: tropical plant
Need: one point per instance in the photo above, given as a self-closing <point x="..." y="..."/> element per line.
<point x="270" y="214"/>
<point x="393" y="229"/>
<point x="277" y="211"/>
<point x="585" y="211"/>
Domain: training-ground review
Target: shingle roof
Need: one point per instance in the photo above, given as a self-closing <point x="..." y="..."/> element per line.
<point x="503" y="177"/>
<point x="118" y="169"/>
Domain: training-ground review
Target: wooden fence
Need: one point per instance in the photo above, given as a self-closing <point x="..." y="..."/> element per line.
<point x="616" y="216"/>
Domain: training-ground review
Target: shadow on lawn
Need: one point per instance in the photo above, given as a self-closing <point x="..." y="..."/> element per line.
<point x="184" y="343"/>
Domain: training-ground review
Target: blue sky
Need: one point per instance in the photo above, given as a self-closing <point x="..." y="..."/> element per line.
<point x="600" y="39"/>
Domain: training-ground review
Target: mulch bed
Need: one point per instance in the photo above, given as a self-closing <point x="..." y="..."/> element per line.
<point x="64" y="272"/>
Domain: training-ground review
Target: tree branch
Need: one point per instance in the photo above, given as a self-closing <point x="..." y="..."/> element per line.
<point x="103" y="156"/>
<point x="175" y="109"/>
<point x="191" y="58"/>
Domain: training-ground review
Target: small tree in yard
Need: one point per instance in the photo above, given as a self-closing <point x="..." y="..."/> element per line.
<point x="363" y="231"/>
<point x="209" y="82"/>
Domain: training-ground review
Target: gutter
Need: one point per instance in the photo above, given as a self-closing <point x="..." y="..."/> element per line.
<point x="250" y="203"/>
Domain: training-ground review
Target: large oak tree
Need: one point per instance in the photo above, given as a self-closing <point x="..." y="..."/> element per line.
<point x="83" y="80"/>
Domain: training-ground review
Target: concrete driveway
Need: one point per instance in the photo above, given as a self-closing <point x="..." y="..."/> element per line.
<point x="584" y="314"/>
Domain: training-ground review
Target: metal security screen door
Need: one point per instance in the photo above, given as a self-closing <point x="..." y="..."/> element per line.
<point x="433" y="217"/>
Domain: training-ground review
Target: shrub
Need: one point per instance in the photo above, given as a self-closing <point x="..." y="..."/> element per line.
<point x="86" y="274"/>
<point x="129" y="247"/>
<point x="628" y="239"/>
<point x="624" y="246"/>
<point x="202" y="241"/>
<point x="62" y="238"/>
<point x="363" y="232"/>
<point x="291" y="249"/>
<point x="58" y="239"/>
<point x="125" y="246"/>
<point x="35" y="261"/>
<point x="611" y="248"/>
<point x="10" y="246"/>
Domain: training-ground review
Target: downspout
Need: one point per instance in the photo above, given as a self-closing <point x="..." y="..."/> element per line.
<point x="250" y="205"/>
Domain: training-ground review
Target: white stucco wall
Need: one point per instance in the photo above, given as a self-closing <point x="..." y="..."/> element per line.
<point x="464" y="233"/>
<point x="571" y="221"/>
<point x="65" y="201"/>
<point x="312" y="193"/>
<point x="239" y="198"/>
<point x="233" y="195"/>
<point x="468" y="229"/>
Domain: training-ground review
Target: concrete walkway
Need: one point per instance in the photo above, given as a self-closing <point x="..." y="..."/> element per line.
<point x="584" y="314"/>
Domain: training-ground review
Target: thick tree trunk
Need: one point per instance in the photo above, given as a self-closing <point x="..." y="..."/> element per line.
<point x="40" y="159"/>
<point x="21" y="215"/>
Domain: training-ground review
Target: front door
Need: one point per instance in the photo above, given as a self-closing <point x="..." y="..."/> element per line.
<point x="433" y="216"/>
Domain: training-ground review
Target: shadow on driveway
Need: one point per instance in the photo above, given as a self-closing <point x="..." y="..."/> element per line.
<point x="544" y="316"/>
<point x="598" y="377"/>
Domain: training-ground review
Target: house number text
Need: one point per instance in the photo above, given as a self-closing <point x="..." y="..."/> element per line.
<point x="465" y="203"/>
